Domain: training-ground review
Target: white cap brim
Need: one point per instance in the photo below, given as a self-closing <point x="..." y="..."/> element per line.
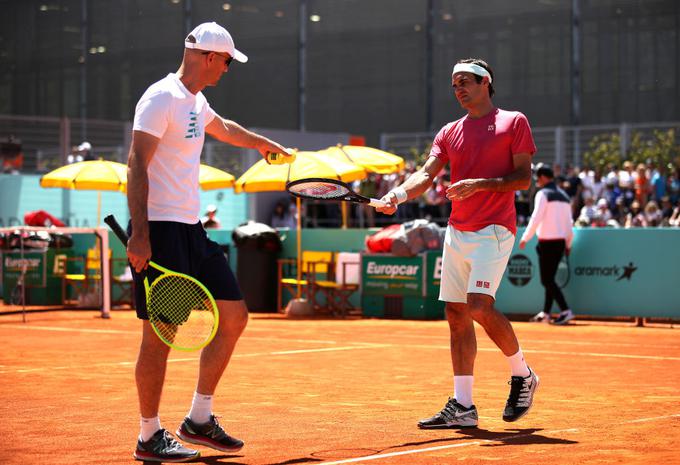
<point x="240" y="57"/>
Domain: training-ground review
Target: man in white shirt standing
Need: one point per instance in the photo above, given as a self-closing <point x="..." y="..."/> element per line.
<point x="171" y="120"/>
<point x="551" y="221"/>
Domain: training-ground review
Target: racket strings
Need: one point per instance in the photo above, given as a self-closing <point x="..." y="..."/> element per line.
<point x="319" y="190"/>
<point x="181" y="311"/>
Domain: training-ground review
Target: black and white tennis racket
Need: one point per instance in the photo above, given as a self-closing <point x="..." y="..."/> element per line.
<point x="563" y="273"/>
<point x="328" y="189"/>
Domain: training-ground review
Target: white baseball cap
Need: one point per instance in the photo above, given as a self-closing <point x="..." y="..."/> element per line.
<point x="212" y="37"/>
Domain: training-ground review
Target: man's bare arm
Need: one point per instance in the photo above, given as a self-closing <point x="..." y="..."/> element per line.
<point x="142" y="150"/>
<point x="233" y="133"/>
<point x="518" y="179"/>
<point x="415" y="185"/>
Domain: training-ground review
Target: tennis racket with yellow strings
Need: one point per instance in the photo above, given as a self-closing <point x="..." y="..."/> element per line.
<point x="181" y="310"/>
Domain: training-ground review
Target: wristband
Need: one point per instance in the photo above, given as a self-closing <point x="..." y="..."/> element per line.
<point x="400" y="194"/>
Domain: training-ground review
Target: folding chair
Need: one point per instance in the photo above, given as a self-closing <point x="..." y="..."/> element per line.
<point x="313" y="263"/>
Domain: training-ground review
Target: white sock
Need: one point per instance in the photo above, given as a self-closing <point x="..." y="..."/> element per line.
<point x="518" y="366"/>
<point x="149" y="426"/>
<point x="201" y="408"/>
<point x="462" y="390"/>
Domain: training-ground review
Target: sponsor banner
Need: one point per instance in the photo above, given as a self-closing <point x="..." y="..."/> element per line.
<point x="33" y="262"/>
<point x="612" y="272"/>
<point x="390" y="275"/>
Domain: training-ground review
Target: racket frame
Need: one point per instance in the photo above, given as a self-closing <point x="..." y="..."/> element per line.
<point x="111" y="221"/>
<point x="351" y="196"/>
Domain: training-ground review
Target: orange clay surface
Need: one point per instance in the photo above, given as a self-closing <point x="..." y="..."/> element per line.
<point x="344" y="391"/>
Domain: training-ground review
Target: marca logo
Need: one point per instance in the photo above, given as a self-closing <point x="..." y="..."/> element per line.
<point x="408" y="271"/>
<point x="625" y="272"/>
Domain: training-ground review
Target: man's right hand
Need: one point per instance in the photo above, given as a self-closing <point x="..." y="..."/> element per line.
<point x="391" y="200"/>
<point x="139" y="252"/>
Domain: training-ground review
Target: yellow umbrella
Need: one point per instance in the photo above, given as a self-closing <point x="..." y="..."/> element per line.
<point x="262" y="177"/>
<point x="210" y="178"/>
<point x="104" y="175"/>
<point x="99" y="175"/>
<point x="370" y="159"/>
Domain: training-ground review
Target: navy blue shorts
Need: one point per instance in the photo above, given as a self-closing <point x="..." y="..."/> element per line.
<point x="185" y="248"/>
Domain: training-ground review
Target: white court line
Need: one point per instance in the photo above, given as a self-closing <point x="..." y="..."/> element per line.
<point x="435" y="448"/>
<point x="476" y="443"/>
<point x="189" y="359"/>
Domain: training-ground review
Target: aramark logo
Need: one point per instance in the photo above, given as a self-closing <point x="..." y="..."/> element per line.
<point x="620" y="273"/>
<point x="392" y="271"/>
<point x="193" y="130"/>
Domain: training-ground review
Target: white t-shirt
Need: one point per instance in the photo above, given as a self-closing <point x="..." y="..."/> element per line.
<point x="167" y="110"/>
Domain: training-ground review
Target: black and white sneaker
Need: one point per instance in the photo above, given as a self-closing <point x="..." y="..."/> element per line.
<point x="564" y="317"/>
<point x="521" y="396"/>
<point x="453" y="415"/>
<point x="209" y="434"/>
<point x="540" y="317"/>
<point x="162" y="447"/>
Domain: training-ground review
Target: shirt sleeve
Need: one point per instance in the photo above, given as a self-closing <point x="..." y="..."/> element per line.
<point x="439" y="146"/>
<point x="151" y="114"/>
<point x="523" y="141"/>
<point x="209" y="114"/>
<point x="540" y="203"/>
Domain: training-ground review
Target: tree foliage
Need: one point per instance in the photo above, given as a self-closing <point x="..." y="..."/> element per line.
<point x="660" y="149"/>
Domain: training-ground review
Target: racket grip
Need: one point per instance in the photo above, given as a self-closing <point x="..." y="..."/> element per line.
<point x="115" y="227"/>
<point x="375" y="203"/>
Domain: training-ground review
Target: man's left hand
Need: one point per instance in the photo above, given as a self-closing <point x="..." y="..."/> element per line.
<point x="464" y="189"/>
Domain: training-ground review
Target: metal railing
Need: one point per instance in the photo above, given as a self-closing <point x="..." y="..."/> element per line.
<point x="559" y="144"/>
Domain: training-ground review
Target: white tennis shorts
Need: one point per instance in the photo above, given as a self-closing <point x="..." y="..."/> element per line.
<point x="474" y="262"/>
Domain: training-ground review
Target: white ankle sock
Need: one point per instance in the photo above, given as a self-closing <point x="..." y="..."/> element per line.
<point x="518" y="366"/>
<point x="149" y="426"/>
<point x="462" y="390"/>
<point x="201" y="408"/>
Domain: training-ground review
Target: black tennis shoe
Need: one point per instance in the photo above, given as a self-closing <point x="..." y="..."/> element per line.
<point x="521" y="396"/>
<point x="162" y="447"/>
<point x="453" y="415"/>
<point x="208" y="434"/>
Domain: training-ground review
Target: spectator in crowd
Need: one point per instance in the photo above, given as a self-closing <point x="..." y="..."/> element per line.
<point x="82" y="152"/>
<point x="284" y="216"/>
<point x="626" y="176"/>
<point x="658" y="183"/>
<point x="588" y="213"/>
<point x="611" y="193"/>
<point x="574" y="188"/>
<point x="641" y="184"/>
<point x="369" y="188"/>
<point x="12" y="155"/>
<point x="653" y="216"/>
<point x="636" y="217"/>
<point x="674" y="185"/>
<point x="666" y="210"/>
<point x="210" y="220"/>
<point x="602" y="214"/>
<point x="674" y="220"/>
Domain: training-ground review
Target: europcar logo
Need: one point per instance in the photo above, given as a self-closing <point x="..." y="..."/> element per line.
<point x="519" y="270"/>
<point x="613" y="271"/>
<point x="376" y="270"/>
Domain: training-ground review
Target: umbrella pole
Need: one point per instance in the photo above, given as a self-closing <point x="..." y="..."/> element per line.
<point x="344" y="214"/>
<point x="99" y="206"/>
<point x="299" y="247"/>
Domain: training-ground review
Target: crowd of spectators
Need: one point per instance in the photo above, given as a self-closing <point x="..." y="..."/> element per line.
<point x="642" y="195"/>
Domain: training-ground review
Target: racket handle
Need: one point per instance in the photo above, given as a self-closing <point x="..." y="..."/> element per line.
<point x="115" y="227"/>
<point x="375" y="203"/>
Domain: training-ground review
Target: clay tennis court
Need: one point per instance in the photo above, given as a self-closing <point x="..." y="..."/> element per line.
<point x="344" y="391"/>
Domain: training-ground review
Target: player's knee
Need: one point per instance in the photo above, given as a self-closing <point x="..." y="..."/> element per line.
<point x="236" y="319"/>
<point x="479" y="309"/>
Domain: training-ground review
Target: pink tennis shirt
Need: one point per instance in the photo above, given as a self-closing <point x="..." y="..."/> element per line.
<point x="484" y="148"/>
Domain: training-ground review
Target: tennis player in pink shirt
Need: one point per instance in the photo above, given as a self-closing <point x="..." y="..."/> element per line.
<point x="490" y="152"/>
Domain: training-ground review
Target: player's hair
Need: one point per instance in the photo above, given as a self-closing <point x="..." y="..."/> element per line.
<point x="485" y="65"/>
